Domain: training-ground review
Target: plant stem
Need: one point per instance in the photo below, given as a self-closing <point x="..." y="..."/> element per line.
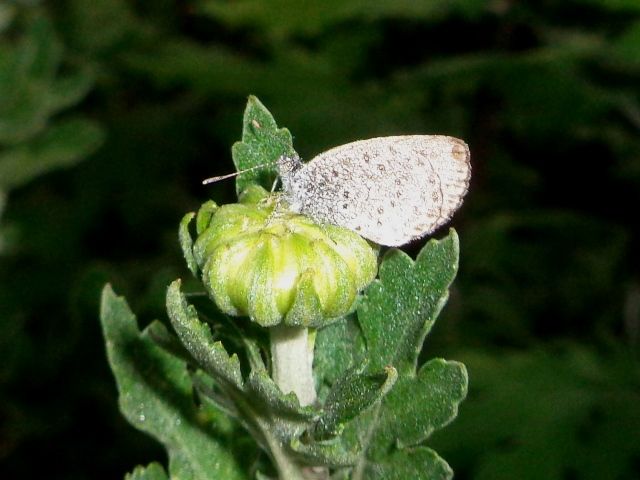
<point x="292" y="362"/>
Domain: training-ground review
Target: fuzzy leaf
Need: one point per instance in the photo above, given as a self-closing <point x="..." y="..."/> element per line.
<point x="339" y="347"/>
<point x="422" y="404"/>
<point x="157" y="332"/>
<point x="262" y="144"/>
<point x="285" y="405"/>
<point x="196" y="337"/>
<point x="396" y="313"/>
<point x="350" y="396"/>
<point x="156" y="397"/>
<point x="400" y="308"/>
<point x="330" y="453"/>
<point x="417" y="464"/>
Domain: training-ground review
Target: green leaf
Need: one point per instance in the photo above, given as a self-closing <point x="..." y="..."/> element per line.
<point x="396" y="313"/>
<point x="419" y="463"/>
<point x="338" y="348"/>
<point x="156" y="397"/>
<point x="161" y="336"/>
<point x="629" y="6"/>
<point x="422" y="404"/>
<point x="102" y="27"/>
<point x="281" y="405"/>
<point x="273" y="418"/>
<point x="331" y="453"/>
<point x="262" y="144"/>
<point x="399" y="309"/>
<point x="153" y="471"/>
<point x="196" y="337"/>
<point x="62" y="145"/>
<point x="350" y="396"/>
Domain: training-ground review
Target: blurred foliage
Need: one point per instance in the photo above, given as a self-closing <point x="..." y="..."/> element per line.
<point x="546" y="93"/>
<point x="565" y="412"/>
<point x="32" y="91"/>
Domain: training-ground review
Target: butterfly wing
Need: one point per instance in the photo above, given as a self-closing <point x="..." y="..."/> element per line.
<point x="390" y="190"/>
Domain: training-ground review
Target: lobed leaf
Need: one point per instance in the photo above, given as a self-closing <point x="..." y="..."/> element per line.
<point x="399" y="309"/>
<point x="422" y="404"/>
<point x="396" y="313"/>
<point x="417" y="464"/>
<point x="339" y="347"/>
<point x="262" y="144"/>
<point x="156" y="397"/>
<point x="351" y="395"/>
<point x="196" y="337"/>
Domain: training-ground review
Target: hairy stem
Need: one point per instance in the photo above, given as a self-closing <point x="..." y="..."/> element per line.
<point x="292" y="362"/>
<point x="292" y="370"/>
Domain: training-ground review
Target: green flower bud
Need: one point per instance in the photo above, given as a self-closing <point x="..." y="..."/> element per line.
<point x="260" y="260"/>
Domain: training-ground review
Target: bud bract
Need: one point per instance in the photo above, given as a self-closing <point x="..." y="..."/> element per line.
<point x="259" y="259"/>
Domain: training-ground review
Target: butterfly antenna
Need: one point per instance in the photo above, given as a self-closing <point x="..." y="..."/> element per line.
<point x="234" y="174"/>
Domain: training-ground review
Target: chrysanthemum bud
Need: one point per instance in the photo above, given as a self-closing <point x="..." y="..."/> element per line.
<point x="260" y="260"/>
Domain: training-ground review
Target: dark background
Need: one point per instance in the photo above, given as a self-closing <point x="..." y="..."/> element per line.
<point x="113" y="111"/>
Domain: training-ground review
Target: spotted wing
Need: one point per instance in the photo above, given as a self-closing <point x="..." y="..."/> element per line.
<point x="390" y="190"/>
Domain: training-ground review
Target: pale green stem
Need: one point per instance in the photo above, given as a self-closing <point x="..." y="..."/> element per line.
<point x="292" y="370"/>
<point x="292" y="362"/>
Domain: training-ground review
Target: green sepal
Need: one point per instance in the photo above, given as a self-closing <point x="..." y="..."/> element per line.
<point x="351" y="395"/>
<point x="216" y="229"/>
<point x="186" y="243"/>
<point x="153" y="471"/>
<point x="204" y="216"/>
<point x="262" y="144"/>
<point x="253" y="195"/>
<point x="262" y="302"/>
<point x="334" y="277"/>
<point x="196" y="337"/>
<point x="306" y="310"/>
